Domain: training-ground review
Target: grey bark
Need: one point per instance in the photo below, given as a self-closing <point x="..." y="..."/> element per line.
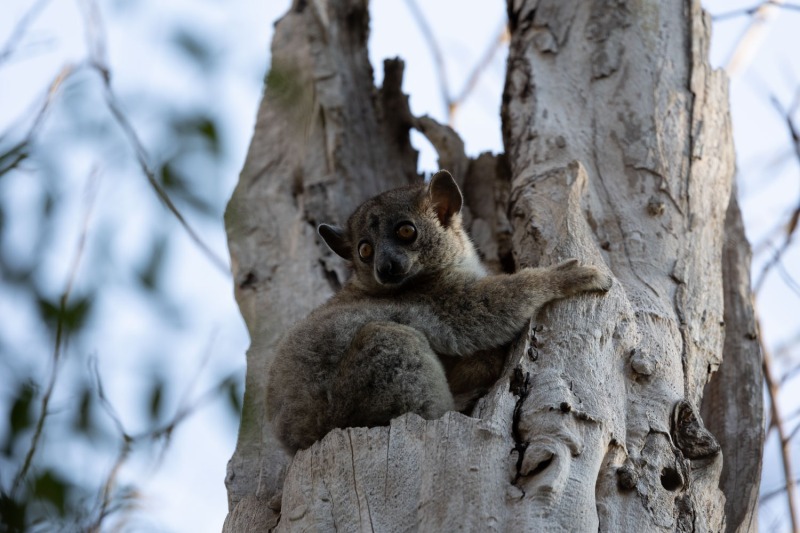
<point x="733" y="403"/>
<point x="618" y="152"/>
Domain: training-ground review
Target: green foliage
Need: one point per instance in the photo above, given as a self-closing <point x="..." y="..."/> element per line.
<point x="231" y="386"/>
<point x="12" y="514"/>
<point x="156" y="399"/>
<point x="71" y="315"/>
<point x="150" y="274"/>
<point x="82" y="419"/>
<point x="12" y="157"/>
<point x="21" y="417"/>
<point x="199" y="126"/>
<point x="182" y="187"/>
<point x="76" y="137"/>
<point x="51" y="487"/>
<point x="194" y="46"/>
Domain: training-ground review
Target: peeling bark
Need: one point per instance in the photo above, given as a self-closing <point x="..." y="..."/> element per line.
<point x="618" y="152"/>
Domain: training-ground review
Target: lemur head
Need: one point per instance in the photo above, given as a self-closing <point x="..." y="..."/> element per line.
<point x="405" y="234"/>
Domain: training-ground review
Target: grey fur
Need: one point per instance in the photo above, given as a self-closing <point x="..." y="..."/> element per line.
<point x="418" y="324"/>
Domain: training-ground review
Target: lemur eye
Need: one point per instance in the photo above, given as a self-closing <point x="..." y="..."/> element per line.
<point x="364" y="250"/>
<point x="406" y="231"/>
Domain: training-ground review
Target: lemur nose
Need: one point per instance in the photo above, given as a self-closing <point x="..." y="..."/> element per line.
<point x="388" y="267"/>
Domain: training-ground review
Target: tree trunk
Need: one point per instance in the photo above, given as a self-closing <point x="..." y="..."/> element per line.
<point x="618" y="152"/>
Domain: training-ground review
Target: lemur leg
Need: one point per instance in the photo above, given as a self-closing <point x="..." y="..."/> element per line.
<point x="389" y="369"/>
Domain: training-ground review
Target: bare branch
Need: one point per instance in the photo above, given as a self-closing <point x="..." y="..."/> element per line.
<point x="129" y="441"/>
<point x="749" y="11"/>
<point x="95" y="37"/>
<point x="788" y="279"/>
<point x="775" y="492"/>
<point x="791" y="227"/>
<point x="91" y="194"/>
<point x="142" y="158"/>
<point x="501" y="37"/>
<point x="108" y="487"/>
<point x="436" y="52"/>
<point x="206" y="357"/>
<point x="14" y="156"/>
<point x="766" y="243"/>
<point x="104" y="402"/>
<point x="19" y="30"/>
<point x="752" y="37"/>
<point x="778" y="423"/>
<point x="785" y="346"/>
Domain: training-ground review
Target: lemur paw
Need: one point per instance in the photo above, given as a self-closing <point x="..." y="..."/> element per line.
<point x="579" y="278"/>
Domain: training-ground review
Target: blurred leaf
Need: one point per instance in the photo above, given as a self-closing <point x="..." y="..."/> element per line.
<point x="150" y="275"/>
<point x="175" y="182"/>
<point x="201" y="126"/>
<point x="194" y="46"/>
<point x="156" y="404"/>
<point x="48" y="204"/>
<point x="72" y="317"/>
<point x="16" y="275"/>
<point x="13" y="157"/>
<point x="50" y="487"/>
<point x="208" y="130"/>
<point x="83" y="416"/>
<point x="169" y="178"/>
<point x="12" y="514"/>
<point x="21" y="416"/>
<point x="234" y="396"/>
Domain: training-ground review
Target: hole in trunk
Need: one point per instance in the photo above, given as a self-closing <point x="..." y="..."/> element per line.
<point x="671" y="479"/>
<point x="541" y="466"/>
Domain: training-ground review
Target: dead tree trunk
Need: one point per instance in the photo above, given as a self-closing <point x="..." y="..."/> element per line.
<point x="618" y="152"/>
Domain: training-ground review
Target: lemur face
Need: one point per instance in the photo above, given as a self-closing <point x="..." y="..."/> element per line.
<point x="401" y="235"/>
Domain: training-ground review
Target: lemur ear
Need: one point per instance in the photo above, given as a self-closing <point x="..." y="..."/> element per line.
<point x="335" y="239"/>
<point x="445" y="196"/>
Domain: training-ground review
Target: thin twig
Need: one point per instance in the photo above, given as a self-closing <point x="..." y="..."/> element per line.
<point x="774" y="492"/>
<point x="501" y="37"/>
<point x="436" y="52"/>
<point x="751" y="10"/>
<point x="752" y="37"/>
<point x="793" y="432"/>
<point x="104" y="402"/>
<point x="95" y="37"/>
<point x="17" y="152"/>
<point x="19" y="30"/>
<point x="108" y="487"/>
<point x="206" y="357"/>
<point x="795" y="217"/>
<point x="125" y="448"/>
<point x="788" y="279"/>
<point x="142" y="158"/>
<point x="766" y="242"/>
<point x="163" y="432"/>
<point x="785" y="346"/>
<point x="777" y="422"/>
<point x="94" y="32"/>
<point x="91" y="194"/>
<point x="185" y="412"/>
<point x="450" y="103"/>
